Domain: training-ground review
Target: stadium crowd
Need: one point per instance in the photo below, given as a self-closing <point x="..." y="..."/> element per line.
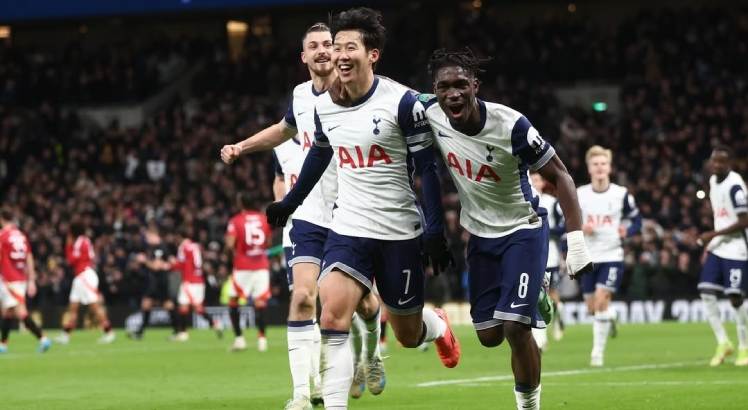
<point x="680" y="95"/>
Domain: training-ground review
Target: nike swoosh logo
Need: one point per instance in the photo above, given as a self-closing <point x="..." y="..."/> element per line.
<point x="299" y="113"/>
<point x="439" y="133"/>
<point x="513" y="306"/>
<point x="332" y="128"/>
<point x="324" y="370"/>
<point x="402" y="302"/>
<point x="295" y="348"/>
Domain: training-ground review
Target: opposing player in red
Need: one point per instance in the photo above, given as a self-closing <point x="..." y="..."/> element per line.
<point x="248" y="236"/>
<point x="189" y="262"/>
<point x="79" y="252"/>
<point x="17" y="278"/>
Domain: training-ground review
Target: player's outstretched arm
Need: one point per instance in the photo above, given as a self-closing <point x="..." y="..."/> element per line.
<point x="264" y="140"/>
<point x="739" y="226"/>
<point x="578" y="259"/>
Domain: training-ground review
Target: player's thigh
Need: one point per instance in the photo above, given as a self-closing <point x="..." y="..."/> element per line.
<point x="711" y="278"/>
<point x="13" y="295"/>
<point x="339" y="294"/>
<point x="85" y="288"/>
<point x="259" y="287"/>
<point x="484" y="281"/>
<point x="241" y="283"/>
<point x="368" y="306"/>
<point x="400" y="276"/>
<point x="305" y="277"/>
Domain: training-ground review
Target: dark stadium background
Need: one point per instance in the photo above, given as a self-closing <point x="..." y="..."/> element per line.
<point x="115" y="112"/>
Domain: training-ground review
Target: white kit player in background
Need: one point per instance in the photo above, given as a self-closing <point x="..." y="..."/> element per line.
<point x="726" y="262"/>
<point x="605" y="206"/>
<point x="374" y="127"/>
<point x="553" y="267"/>
<point x="305" y="234"/>
<point x="489" y="150"/>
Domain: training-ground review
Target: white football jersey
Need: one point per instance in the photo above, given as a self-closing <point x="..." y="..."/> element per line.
<point x="728" y="199"/>
<point x="370" y="141"/>
<point x="550" y="203"/>
<point x="606" y="212"/>
<point x="289" y="158"/>
<point x="491" y="168"/>
<point x="317" y="207"/>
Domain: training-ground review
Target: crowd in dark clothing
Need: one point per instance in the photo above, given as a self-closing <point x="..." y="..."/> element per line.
<point x="683" y="89"/>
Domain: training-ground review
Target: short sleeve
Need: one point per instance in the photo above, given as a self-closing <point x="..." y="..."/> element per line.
<point x="629" y="206"/>
<point x="231" y="229"/>
<point x="738" y="199"/>
<point x="289" y="118"/>
<point x="529" y="146"/>
<point x="320" y="139"/>
<point x="277" y="166"/>
<point x="411" y="117"/>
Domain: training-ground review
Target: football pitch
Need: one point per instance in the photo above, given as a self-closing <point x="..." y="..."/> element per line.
<point x="661" y="366"/>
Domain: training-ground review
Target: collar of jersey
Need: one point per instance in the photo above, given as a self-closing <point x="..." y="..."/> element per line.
<point x="482" y="112"/>
<point x="368" y="94"/>
<point x="317" y="93"/>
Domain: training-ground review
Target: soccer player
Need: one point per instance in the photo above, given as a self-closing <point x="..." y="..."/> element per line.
<point x="17" y="278"/>
<point x="248" y="237"/>
<point x="305" y="235"/>
<point x="79" y="253"/>
<point x="489" y="149"/>
<point x="551" y="205"/>
<point x="726" y="255"/>
<point x="605" y="205"/>
<point x="189" y="262"/>
<point x="154" y="262"/>
<point x="375" y="128"/>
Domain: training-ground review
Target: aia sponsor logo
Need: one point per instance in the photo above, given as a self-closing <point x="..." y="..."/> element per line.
<point x="473" y="171"/>
<point x="357" y="157"/>
<point x="600" y="220"/>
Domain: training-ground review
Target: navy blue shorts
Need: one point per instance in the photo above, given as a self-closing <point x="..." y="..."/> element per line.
<point x="307" y="242"/>
<point x="505" y="277"/>
<point x="397" y="267"/>
<point x="724" y="275"/>
<point x="555" y="277"/>
<point x="288" y="252"/>
<point x="607" y="275"/>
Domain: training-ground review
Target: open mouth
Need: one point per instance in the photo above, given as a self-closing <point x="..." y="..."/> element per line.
<point x="345" y="68"/>
<point x="455" y="110"/>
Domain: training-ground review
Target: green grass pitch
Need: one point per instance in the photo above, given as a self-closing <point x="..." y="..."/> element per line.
<point x="660" y="366"/>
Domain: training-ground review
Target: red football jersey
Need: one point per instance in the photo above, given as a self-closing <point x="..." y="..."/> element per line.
<point x="189" y="262"/>
<point x="251" y="230"/>
<point x="80" y="254"/>
<point x="14" y="251"/>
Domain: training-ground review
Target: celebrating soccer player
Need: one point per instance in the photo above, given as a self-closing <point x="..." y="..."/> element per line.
<point x="605" y="205"/>
<point x="305" y="235"/>
<point x="17" y="279"/>
<point x="489" y="150"/>
<point x="373" y="126"/>
<point x="727" y="255"/>
<point x="80" y="255"/>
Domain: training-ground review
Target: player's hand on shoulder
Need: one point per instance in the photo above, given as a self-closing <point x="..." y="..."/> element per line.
<point x="229" y="153"/>
<point x="578" y="259"/>
<point x="278" y="213"/>
<point x="437" y="252"/>
<point x="588" y="229"/>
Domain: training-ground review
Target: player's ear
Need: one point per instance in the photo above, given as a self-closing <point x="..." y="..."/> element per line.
<point x="476" y="85"/>
<point x="303" y="57"/>
<point x="373" y="55"/>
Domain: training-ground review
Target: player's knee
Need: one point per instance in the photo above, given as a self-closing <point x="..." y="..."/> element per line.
<point x="331" y="320"/>
<point x="303" y="299"/>
<point x="516" y="332"/>
<point x="491" y="337"/>
<point x="184" y="309"/>
<point x="408" y="339"/>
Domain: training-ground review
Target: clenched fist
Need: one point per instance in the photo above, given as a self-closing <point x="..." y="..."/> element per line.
<point x="229" y="153"/>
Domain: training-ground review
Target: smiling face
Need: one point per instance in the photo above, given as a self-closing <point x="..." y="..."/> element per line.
<point x="598" y="167"/>
<point x="317" y="53"/>
<point x="352" y="61"/>
<point x="455" y="90"/>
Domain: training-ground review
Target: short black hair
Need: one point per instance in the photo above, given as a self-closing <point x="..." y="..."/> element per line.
<point x="364" y="20"/>
<point x="723" y="148"/>
<point x="6" y="214"/>
<point x="316" y="27"/>
<point x="464" y="58"/>
<point x="76" y="228"/>
<point x="247" y="201"/>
